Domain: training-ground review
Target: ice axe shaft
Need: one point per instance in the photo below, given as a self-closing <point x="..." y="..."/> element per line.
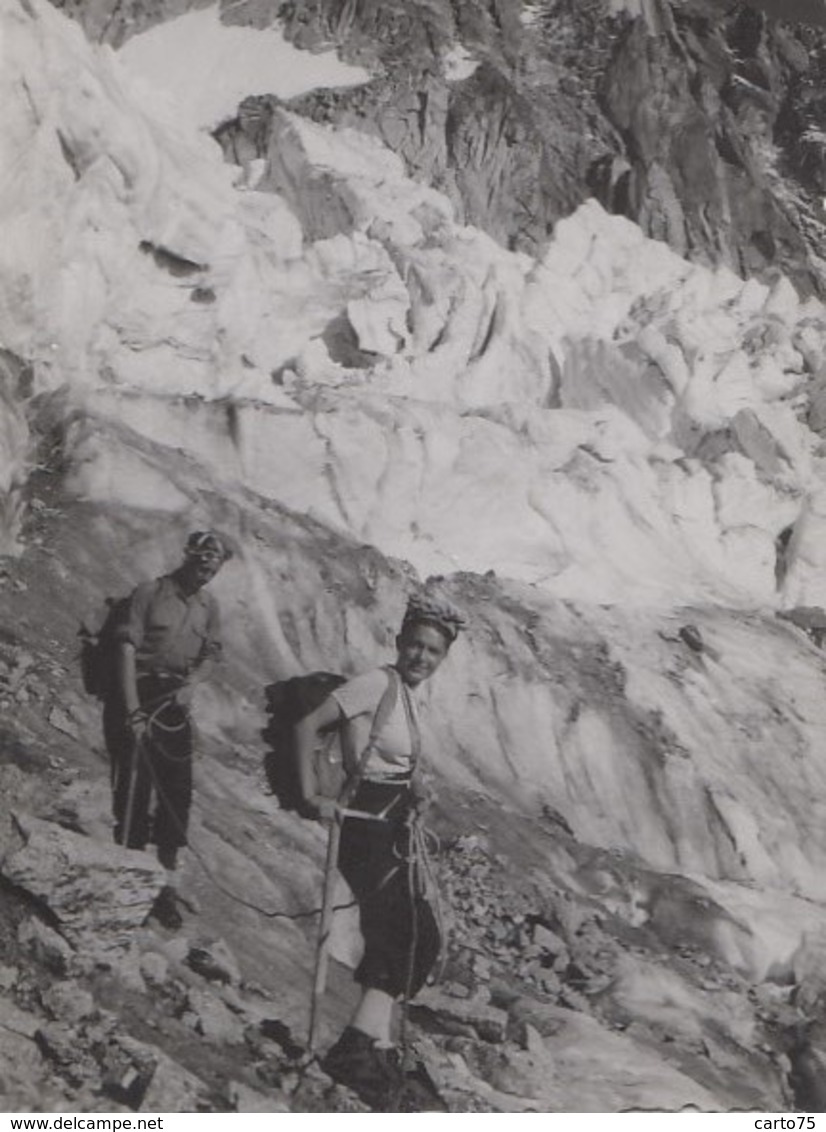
<point x="323" y="950"/>
<point x="134" y="754"/>
<point x="327" y="904"/>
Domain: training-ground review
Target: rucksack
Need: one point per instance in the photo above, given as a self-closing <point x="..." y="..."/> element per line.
<point x="289" y="701"/>
<point x="98" y="667"/>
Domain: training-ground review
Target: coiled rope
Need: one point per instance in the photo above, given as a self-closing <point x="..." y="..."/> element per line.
<point x="150" y="738"/>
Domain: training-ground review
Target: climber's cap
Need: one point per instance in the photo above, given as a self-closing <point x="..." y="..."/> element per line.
<point x="430" y="607"/>
<point x="208" y="544"/>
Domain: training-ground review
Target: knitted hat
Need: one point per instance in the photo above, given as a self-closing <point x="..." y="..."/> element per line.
<point x="433" y="608"/>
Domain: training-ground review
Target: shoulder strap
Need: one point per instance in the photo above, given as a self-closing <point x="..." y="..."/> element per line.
<point x="412" y="720"/>
<point x="386" y="705"/>
<point x="384" y="710"/>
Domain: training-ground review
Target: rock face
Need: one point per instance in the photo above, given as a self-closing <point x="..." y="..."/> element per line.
<point x="15" y="454"/>
<point x="699" y="124"/>
<point x="685" y="119"/>
<point x="113" y="22"/>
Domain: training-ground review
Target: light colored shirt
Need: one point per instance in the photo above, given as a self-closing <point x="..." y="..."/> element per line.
<point x="395" y="746"/>
<point x="170" y="630"/>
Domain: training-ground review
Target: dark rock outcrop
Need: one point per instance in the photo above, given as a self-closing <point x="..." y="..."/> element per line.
<point x="698" y="121"/>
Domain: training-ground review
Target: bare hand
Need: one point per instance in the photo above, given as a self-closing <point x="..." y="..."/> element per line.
<point x="183" y="696"/>
<point x="325" y="808"/>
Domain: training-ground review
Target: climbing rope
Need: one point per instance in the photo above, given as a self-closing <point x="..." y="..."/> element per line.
<point x="156" y="742"/>
<point x="412" y="878"/>
<point x="420" y="876"/>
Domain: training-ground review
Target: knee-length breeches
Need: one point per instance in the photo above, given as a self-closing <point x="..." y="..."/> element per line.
<point x="401" y="934"/>
<point x="161" y="767"/>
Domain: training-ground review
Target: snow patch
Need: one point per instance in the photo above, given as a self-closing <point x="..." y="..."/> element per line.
<point x="206" y="68"/>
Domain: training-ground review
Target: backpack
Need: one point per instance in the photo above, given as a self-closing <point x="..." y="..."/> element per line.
<point x="98" y="668"/>
<point x="289" y="701"/>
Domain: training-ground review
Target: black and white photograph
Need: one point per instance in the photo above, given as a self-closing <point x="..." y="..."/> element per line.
<point x="412" y="559"/>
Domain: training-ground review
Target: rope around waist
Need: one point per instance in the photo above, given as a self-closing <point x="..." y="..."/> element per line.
<point x="402" y="778"/>
<point x="379" y="799"/>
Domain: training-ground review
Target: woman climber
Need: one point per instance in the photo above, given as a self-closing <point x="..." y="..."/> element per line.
<point x="377" y="717"/>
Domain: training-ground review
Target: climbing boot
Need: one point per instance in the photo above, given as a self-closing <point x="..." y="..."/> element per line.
<point x="372" y="1073"/>
<point x="165" y="909"/>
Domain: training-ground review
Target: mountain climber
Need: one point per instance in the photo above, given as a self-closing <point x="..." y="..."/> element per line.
<point x="168" y="641"/>
<point x="380" y="743"/>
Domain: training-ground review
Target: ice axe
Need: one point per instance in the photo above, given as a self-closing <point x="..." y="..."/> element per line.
<point x="322" y="955"/>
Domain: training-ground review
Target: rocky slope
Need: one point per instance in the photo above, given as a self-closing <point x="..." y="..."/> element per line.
<point x="612" y="452"/>
<point x="577" y="977"/>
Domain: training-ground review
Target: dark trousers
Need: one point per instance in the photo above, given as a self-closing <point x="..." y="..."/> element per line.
<point x="159" y="768"/>
<point x="401" y="934"/>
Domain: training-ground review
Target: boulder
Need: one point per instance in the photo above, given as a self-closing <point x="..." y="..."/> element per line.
<point x="246" y="1099"/>
<point x="45" y="945"/>
<point x="213" y="960"/>
<point x="154" y="968"/>
<point x="8" y="977"/>
<point x="155" y="1082"/>
<point x="460" y="1016"/>
<point x="99" y="894"/>
<point x="67" y="1002"/>
<point x="211" y="1018"/>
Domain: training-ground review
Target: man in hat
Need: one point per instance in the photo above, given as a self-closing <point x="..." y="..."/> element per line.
<point x="167" y="642"/>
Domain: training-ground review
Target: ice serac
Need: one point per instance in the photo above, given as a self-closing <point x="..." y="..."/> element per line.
<point x="348" y="318"/>
<point x="613" y="453"/>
